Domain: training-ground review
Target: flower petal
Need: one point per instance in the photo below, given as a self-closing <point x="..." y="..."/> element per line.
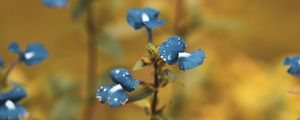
<point x="137" y="16"/>
<point x="12" y="114"/>
<point x="14" y="95"/>
<point x="294" y="63"/>
<point x="191" y="60"/>
<point x="14" y="47"/>
<point x="34" y="54"/>
<point x="103" y="93"/>
<point x="124" y="78"/>
<point x="55" y="3"/>
<point x="117" y="98"/>
<point x="169" y="50"/>
<point x="154" y="23"/>
<point x="294" y="70"/>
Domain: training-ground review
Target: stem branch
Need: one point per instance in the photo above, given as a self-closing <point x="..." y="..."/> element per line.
<point x="155" y="96"/>
<point x="10" y="68"/>
<point x="150" y="37"/>
<point x="156" y="82"/>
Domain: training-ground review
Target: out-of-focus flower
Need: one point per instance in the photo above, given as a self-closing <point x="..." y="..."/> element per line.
<point x="294" y="63"/>
<point x="13" y="95"/>
<point x="116" y="94"/>
<point x="172" y="50"/>
<point x="34" y="54"/>
<point x="55" y="3"/>
<point x="139" y="17"/>
<point x="9" y="109"/>
<point x="1" y="62"/>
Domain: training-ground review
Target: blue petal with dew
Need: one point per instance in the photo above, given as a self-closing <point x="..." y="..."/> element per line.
<point x="55" y="3"/>
<point x="14" y="95"/>
<point x="191" y="60"/>
<point x="117" y="98"/>
<point x="103" y="93"/>
<point x="170" y="48"/>
<point x="123" y="77"/>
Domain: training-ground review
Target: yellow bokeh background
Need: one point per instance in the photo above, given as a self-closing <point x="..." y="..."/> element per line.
<point x="242" y="78"/>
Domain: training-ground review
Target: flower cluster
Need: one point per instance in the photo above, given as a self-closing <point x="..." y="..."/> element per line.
<point x="172" y="49"/>
<point x="294" y="63"/>
<point x="55" y="3"/>
<point x="116" y="94"/>
<point x="9" y="109"/>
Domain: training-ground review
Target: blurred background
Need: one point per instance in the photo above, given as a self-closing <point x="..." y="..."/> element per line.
<point x="242" y="79"/>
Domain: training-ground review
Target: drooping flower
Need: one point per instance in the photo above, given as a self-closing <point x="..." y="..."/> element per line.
<point x="124" y="78"/>
<point x="55" y="3"/>
<point x="13" y="95"/>
<point x="1" y="62"/>
<point x="9" y="109"/>
<point x="140" y="17"/>
<point x="172" y="50"/>
<point x="34" y="54"/>
<point x="116" y="94"/>
<point x="294" y="63"/>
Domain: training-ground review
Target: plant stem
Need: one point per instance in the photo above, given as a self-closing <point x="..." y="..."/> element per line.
<point x="10" y="68"/>
<point x="92" y="61"/>
<point x="156" y="83"/>
<point x="155" y="95"/>
<point x="150" y="37"/>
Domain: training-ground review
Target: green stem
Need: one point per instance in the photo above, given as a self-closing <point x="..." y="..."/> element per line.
<point x="150" y="36"/>
<point x="156" y="82"/>
<point x="155" y="95"/>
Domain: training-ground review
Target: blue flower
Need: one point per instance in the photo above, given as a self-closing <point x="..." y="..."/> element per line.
<point x="1" y="62"/>
<point x="8" y="106"/>
<point x="55" y="3"/>
<point x="13" y="95"/>
<point x="172" y="50"/>
<point x="34" y="54"/>
<point x="116" y="94"/>
<point x="12" y="111"/>
<point x="124" y="78"/>
<point x="103" y="93"/>
<point x="139" y="17"/>
<point x="294" y="63"/>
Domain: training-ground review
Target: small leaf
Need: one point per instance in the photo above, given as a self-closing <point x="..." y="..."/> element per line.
<point x="140" y="94"/>
<point x="146" y="110"/>
<point x="171" y="75"/>
<point x="140" y="64"/>
<point x="164" y="82"/>
<point x="152" y="51"/>
<point x="161" y="110"/>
